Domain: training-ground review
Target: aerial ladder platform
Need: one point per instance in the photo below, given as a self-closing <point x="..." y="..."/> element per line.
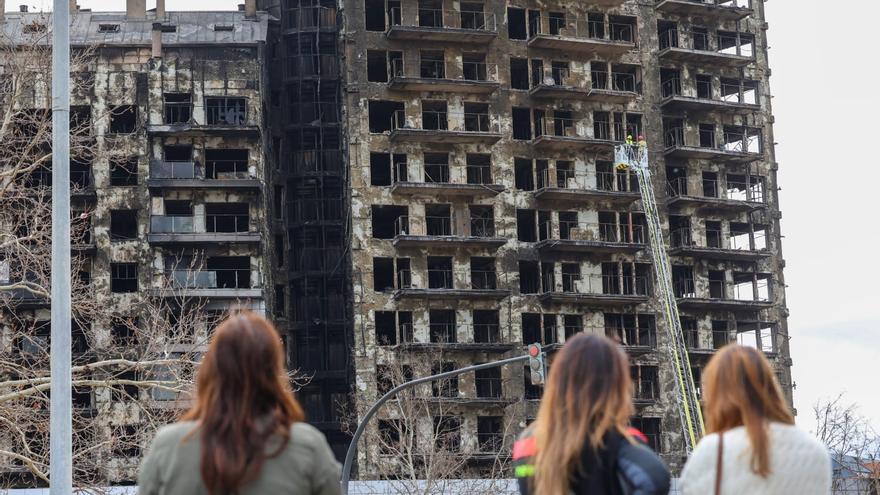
<point x="634" y="157"/>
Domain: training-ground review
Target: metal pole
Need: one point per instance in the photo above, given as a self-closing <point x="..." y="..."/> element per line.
<point x="60" y="429"/>
<point x="352" y="447"/>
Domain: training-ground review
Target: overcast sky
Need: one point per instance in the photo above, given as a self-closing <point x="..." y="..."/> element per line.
<point x="823" y="63"/>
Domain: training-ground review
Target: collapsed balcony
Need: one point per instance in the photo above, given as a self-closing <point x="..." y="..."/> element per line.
<point x="723" y="10"/>
<point x="432" y="23"/>
<point x="726" y="49"/>
<point x="586" y="35"/>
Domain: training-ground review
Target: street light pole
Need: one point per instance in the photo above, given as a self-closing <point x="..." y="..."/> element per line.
<point x="60" y="428"/>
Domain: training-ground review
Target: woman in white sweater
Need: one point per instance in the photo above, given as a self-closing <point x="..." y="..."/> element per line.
<point x="753" y="446"/>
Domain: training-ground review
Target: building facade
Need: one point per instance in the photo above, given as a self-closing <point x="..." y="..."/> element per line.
<point x="411" y="186"/>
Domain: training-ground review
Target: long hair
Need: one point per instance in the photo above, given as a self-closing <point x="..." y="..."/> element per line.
<point x="588" y="394"/>
<point x="741" y="390"/>
<point x="243" y="398"/>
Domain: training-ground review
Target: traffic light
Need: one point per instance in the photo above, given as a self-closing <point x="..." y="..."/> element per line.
<point x="536" y="364"/>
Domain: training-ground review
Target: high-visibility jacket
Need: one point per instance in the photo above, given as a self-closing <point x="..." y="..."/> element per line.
<point x="620" y="467"/>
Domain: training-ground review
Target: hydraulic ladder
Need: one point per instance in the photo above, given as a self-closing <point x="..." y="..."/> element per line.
<point x="635" y="158"/>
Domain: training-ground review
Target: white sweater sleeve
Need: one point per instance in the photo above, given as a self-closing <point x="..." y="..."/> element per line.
<point x="698" y="476"/>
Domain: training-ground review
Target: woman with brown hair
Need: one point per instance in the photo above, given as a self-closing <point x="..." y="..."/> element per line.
<point x="245" y="432"/>
<point x="753" y="445"/>
<point x="581" y="443"/>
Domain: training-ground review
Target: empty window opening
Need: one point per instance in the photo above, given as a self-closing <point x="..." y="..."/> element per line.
<point x="683" y="281"/>
<point x="524" y="174"/>
<point x="224" y="164"/>
<point x="437" y="167"/>
<point x="227" y="217"/>
<point x="377" y="66"/>
<point x="645" y="382"/>
<point x="226" y="111"/>
<point x="490" y="434"/>
<point x="386" y="328"/>
<point x="476" y="117"/>
<point x="438" y="219"/>
<point x="123" y="277"/>
<point x="405" y="325"/>
<point x="404" y="278"/>
<point x="124" y="172"/>
<point x="177" y="153"/>
<point x="472" y="16"/>
<point x="758" y="335"/>
<point x="385" y="115"/>
<point x="488" y="383"/>
<point x="486" y="326"/>
<point x="707" y="135"/>
<point x="710" y="184"/>
<point x="374" y="15"/>
<point x="716" y="284"/>
<point x="389" y="221"/>
<point x="516" y="23"/>
<point x="571" y="277"/>
<point x="529" y="279"/>
<point x="700" y="37"/>
<point x="704" y="86"/>
<point x="531" y="328"/>
<point x="430" y="13"/>
<point x="123" y="119"/>
<point x="622" y="28"/>
<point x="519" y="73"/>
<point x="713" y="234"/>
<point x="596" y="25"/>
<point x="178" y="108"/>
<point x="668" y="34"/>
<point x="573" y="325"/>
<point x="279" y="250"/>
<point x="650" y="427"/>
<point x="522" y="123"/>
<point x="482" y="220"/>
<point x="380" y="169"/>
<point x="123" y="225"/>
<point x="526" y="230"/>
<point x="670" y="82"/>
<point x="447" y="433"/>
<point x="720" y="334"/>
<point x="534" y="23"/>
<point x="442" y="327"/>
<point x="483" y="274"/>
<point x="434" y="115"/>
<point x="440" y="272"/>
<point x="232" y="272"/>
<point x="432" y="64"/>
<point x="383" y="274"/>
<point x="447" y="387"/>
<point x="479" y="168"/>
<point x="626" y="78"/>
<point x="474" y="67"/>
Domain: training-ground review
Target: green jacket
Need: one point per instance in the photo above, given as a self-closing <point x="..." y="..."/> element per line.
<point x="305" y="467"/>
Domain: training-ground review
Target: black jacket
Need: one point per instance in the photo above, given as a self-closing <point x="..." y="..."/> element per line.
<point x="619" y="468"/>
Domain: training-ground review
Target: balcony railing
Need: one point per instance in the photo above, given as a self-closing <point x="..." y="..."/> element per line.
<point x="482" y="227"/>
<point x="439" y="278"/>
<point x="645" y="390"/>
<point x="600" y="284"/>
<point x="438" y="225"/>
<point x="578" y="27"/>
<point x="484" y="279"/>
<point x="172" y="170"/>
<point x="681" y="237"/>
<point x="603" y="232"/>
<point x="178" y="112"/>
<point x="436" y="120"/>
<point x="172" y="224"/>
<point x="311" y="18"/>
<point x="211" y="279"/>
<point x="632" y="336"/>
<point x="451" y="19"/>
<point x="488" y="388"/>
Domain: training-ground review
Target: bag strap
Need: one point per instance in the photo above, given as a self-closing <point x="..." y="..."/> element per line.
<point x="719" y="464"/>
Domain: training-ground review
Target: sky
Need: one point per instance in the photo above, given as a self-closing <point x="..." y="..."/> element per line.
<point x="822" y="64"/>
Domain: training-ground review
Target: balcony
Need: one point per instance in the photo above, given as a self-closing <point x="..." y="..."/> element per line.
<point x="645" y="392"/>
<point x="682" y="244"/>
<point x="734" y="54"/>
<point x="562" y="83"/>
<point x="443" y="26"/>
<point x="480" y="184"/>
<point x="171" y="229"/>
<point x="674" y="101"/>
<point x="231" y="283"/>
<point x="599" y="238"/>
<point x="635" y="341"/>
<point x="477" y="78"/>
<point x="578" y="35"/>
<point x="472" y="128"/>
<point x="733" y="151"/>
<point x="567" y="187"/>
<point x="563" y="134"/>
<point x="225" y="174"/>
<point x="441" y="234"/>
<point x="723" y="10"/>
<point x="738" y="197"/>
<point x="688" y="297"/>
<point x="599" y="291"/>
<point x="485" y="338"/>
<point x="441" y="287"/>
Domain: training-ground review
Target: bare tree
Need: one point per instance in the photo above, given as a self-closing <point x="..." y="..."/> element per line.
<point x="418" y="446"/>
<point x="853" y="443"/>
<point x="132" y="372"/>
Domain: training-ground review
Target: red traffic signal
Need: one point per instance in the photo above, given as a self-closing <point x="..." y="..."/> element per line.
<point x="534" y="350"/>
